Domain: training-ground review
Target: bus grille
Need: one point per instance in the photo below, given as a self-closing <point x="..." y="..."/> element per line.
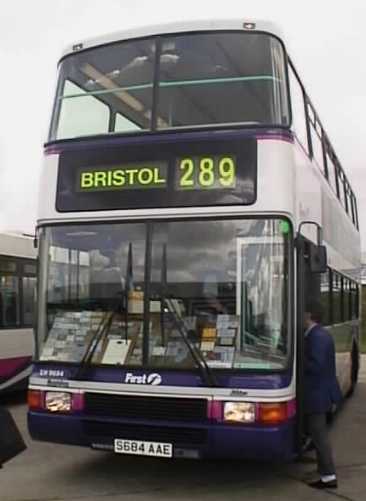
<point x="175" y="436"/>
<point x="139" y="407"/>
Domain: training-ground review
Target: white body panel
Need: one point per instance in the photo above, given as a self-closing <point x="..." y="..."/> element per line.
<point x="178" y="27"/>
<point x="17" y="246"/>
<point x="16" y="343"/>
<point x="315" y="201"/>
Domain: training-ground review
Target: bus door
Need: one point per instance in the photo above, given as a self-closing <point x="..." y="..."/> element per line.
<point x="311" y="261"/>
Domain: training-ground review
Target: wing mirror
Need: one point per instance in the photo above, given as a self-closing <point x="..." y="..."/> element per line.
<point x="317" y="252"/>
<point x="318" y="258"/>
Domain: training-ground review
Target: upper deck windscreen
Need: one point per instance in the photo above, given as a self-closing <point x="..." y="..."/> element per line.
<point x="200" y="79"/>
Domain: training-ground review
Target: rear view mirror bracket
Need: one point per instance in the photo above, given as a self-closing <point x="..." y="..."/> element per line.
<point x="317" y="252"/>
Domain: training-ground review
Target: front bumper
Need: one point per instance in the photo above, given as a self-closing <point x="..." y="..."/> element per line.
<point x="195" y="440"/>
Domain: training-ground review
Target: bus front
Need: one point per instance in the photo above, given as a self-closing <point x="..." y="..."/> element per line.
<point x="165" y="323"/>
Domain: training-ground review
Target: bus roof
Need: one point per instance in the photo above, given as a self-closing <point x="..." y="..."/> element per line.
<point x="17" y="245"/>
<point x="176" y="27"/>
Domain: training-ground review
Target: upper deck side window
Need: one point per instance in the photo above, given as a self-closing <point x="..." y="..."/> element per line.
<point x="316" y="137"/>
<point x="355" y="210"/>
<point x="315" y="143"/>
<point x="299" y="118"/>
<point x="185" y="80"/>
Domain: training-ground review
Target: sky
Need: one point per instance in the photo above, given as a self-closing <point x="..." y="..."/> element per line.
<point x="326" y="40"/>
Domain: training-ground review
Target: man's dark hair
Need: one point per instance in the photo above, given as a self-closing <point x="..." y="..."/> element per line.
<point x="316" y="311"/>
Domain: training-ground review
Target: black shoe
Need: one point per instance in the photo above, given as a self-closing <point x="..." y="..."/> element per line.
<point x="319" y="484"/>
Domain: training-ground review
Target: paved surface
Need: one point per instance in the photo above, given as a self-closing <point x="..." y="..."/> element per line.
<point x="47" y="472"/>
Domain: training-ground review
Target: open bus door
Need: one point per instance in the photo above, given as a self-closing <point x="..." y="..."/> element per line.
<point x="311" y="262"/>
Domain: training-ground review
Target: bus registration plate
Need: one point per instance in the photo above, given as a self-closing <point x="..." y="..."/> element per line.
<point x="142" y="448"/>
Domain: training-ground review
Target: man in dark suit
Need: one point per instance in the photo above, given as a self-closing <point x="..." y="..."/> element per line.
<point x="321" y="391"/>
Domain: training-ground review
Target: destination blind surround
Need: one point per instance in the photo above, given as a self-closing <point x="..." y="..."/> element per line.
<point x="182" y="174"/>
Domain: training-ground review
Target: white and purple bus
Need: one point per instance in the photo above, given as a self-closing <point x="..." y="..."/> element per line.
<point x="191" y="203"/>
<point x="18" y="271"/>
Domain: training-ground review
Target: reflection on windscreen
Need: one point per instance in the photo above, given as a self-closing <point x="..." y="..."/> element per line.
<point x="222" y="285"/>
<point x="200" y="79"/>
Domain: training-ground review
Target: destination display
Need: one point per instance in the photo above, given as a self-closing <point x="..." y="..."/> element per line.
<point x="179" y="174"/>
<point x="190" y="173"/>
<point x="145" y="175"/>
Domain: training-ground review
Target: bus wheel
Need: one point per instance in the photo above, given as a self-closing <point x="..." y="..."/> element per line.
<point x="354" y="370"/>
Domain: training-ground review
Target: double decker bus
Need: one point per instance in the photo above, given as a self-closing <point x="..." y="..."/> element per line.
<point x="18" y="271"/>
<point x="194" y="203"/>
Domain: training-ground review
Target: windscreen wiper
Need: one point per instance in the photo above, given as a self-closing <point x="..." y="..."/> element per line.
<point x="128" y="286"/>
<point x="207" y="374"/>
<point x="102" y="330"/>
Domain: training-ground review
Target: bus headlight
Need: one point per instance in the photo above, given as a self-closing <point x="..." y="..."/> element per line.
<point x="58" y="401"/>
<point x="239" y="412"/>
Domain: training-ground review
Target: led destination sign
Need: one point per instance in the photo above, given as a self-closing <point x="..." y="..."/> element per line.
<point x="213" y="171"/>
<point x="190" y="173"/>
<point x="206" y="172"/>
<point x="132" y="176"/>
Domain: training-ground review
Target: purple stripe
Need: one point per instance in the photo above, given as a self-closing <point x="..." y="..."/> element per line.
<point x="10" y="366"/>
<point x="288" y="138"/>
<point x="242" y="380"/>
<point x="167" y="137"/>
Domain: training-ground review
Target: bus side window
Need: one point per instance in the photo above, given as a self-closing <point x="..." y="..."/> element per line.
<point x="325" y="296"/>
<point x="1" y="310"/>
<point x="9" y="290"/>
<point x="346" y="198"/>
<point x="355" y="299"/>
<point x="336" y="298"/>
<point x="316" y="134"/>
<point x="341" y="182"/>
<point x="10" y="301"/>
<point x="331" y="172"/>
<point x="355" y="211"/>
<point x="346" y="300"/>
<point x="298" y="110"/>
<point x="352" y="205"/>
<point x="29" y="288"/>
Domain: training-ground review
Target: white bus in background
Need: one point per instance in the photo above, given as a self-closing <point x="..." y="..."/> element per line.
<point x="17" y="298"/>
